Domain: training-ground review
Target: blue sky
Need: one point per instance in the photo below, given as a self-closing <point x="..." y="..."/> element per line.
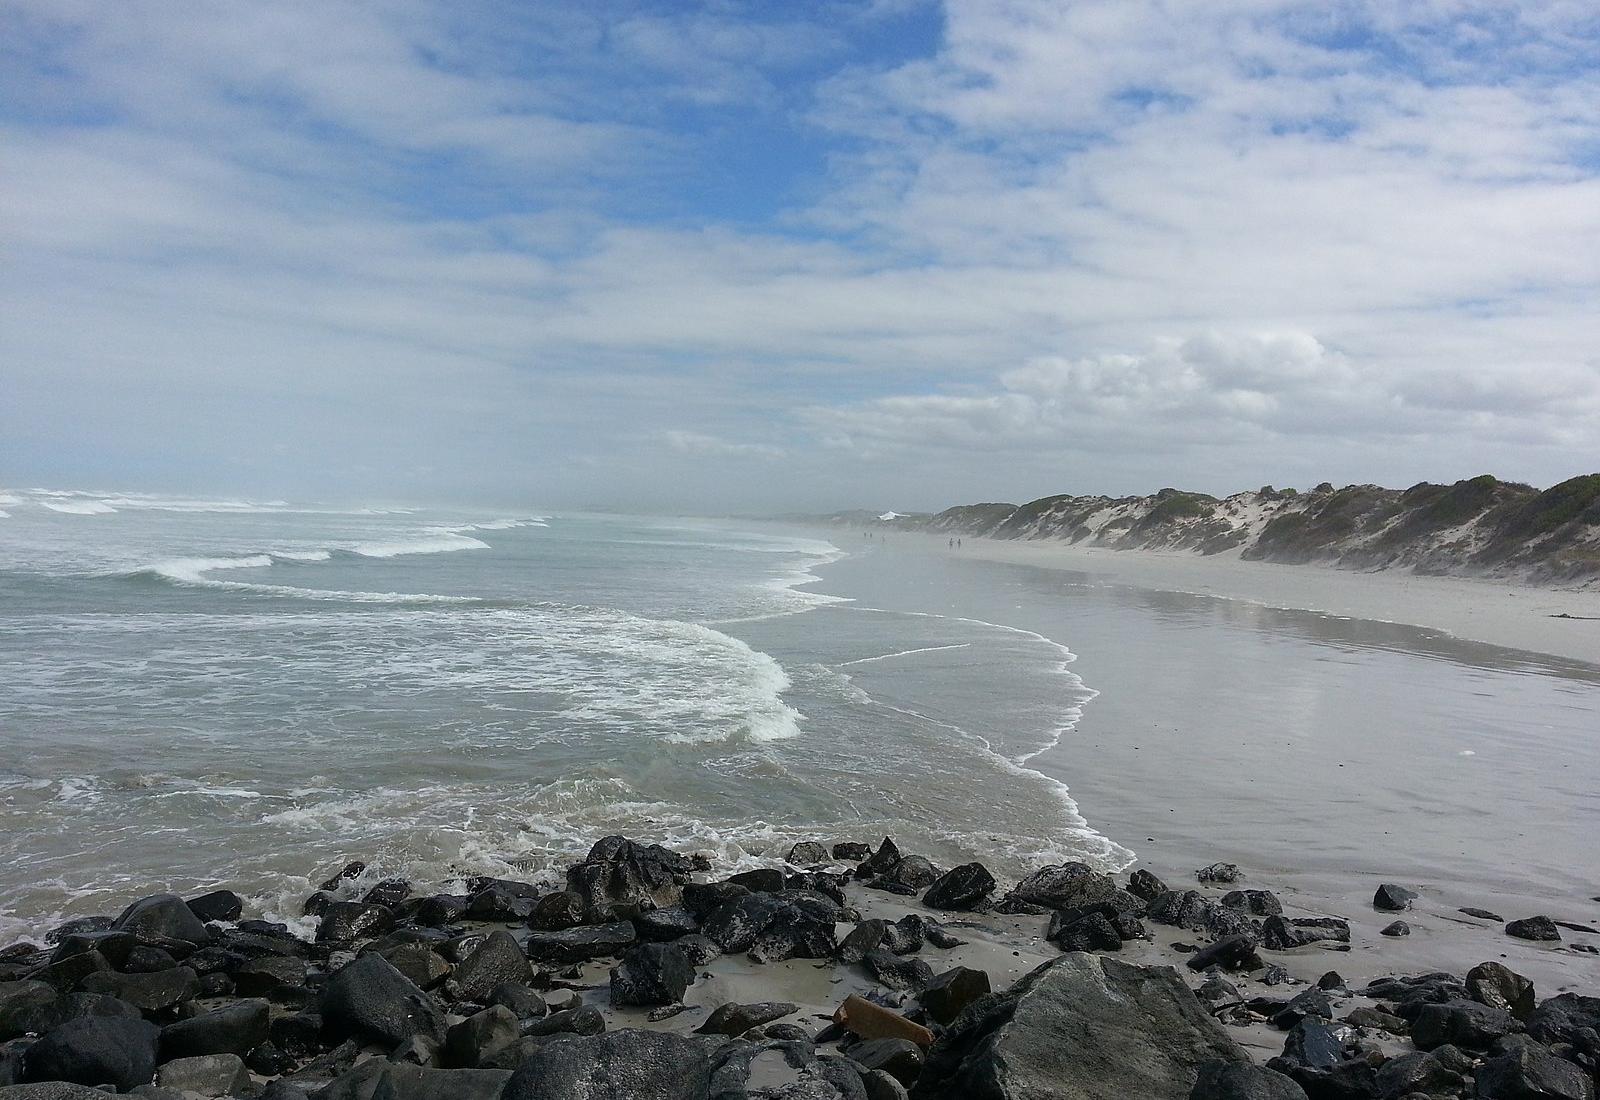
<point x="746" y="255"/>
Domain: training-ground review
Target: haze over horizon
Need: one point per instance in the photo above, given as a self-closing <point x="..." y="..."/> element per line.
<point x="743" y="256"/>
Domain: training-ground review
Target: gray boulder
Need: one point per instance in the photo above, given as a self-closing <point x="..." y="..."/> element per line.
<point x="1529" y="1073"/>
<point x="163" y="916"/>
<point x="736" y="1019"/>
<point x="370" y="999"/>
<point x="651" y="974"/>
<point x="494" y="962"/>
<point x="1084" y="1026"/>
<point x="1242" y="1081"/>
<point x="1465" y="1024"/>
<point x="237" y="1028"/>
<point x="95" y="1050"/>
<point x="618" y="1065"/>
<point x="620" y="879"/>
<point x="1065" y="886"/>
<point x="961" y="888"/>
<point x="206" y="1075"/>
<point x="146" y="992"/>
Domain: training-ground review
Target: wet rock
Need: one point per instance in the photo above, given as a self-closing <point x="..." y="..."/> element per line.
<point x="1309" y="1003"/>
<point x="95" y="1050"/>
<point x="206" y="1075"/>
<point x="619" y="1065"/>
<point x="1281" y="934"/>
<point x="388" y="893"/>
<point x="1392" y="898"/>
<point x="896" y="972"/>
<point x="961" y="889"/>
<point x="268" y="1060"/>
<point x="1529" y="1073"/>
<point x="865" y="1020"/>
<point x="1137" y="1031"/>
<point x="619" y="878"/>
<point x="382" y="1080"/>
<point x="1216" y="989"/>
<point x="524" y="1003"/>
<point x="1091" y="932"/>
<point x="736" y="1019"/>
<point x="904" y="936"/>
<point x="218" y="905"/>
<point x="909" y="875"/>
<point x="1187" y="909"/>
<point x="1260" y="903"/>
<point x="1378" y="1019"/>
<point x="163" y="917"/>
<point x="887" y="855"/>
<point x="1410" y="992"/>
<point x="370" y="999"/>
<point x="1219" y="872"/>
<point x="576" y="945"/>
<point x="1312" y="1044"/>
<point x="143" y="959"/>
<point x="851" y="851"/>
<point x="762" y="880"/>
<point x="864" y="937"/>
<point x="704" y="898"/>
<point x="666" y="925"/>
<point x="1541" y="929"/>
<point x="1231" y="953"/>
<point x="438" y="910"/>
<point x="1481" y="914"/>
<point x="807" y="853"/>
<point x="298" y="1034"/>
<point x="352" y="870"/>
<point x="1146" y="886"/>
<point x="1242" y="1081"/>
<point x="1395" y="929"/>
<point x="1465" y="1024"/>
<point x="265" y="976"/>
<point x="1564" y="1018"/>
<point x="1498" y="986"/>
<point x="582" y="1020"/>
<point x="496" y="961"/>
<point x="947" y="994"/>
<point x="1065" y="886"/>
<point x="698" y="949"/>
<point x="150" y="993"/>
<point x="735" y="926"/>
<point x="237" y="1028"/>
<point x="423" y="967"/>
<point x="504" y="900"/>
<point x="651" y="974"/>
<point x="475" y="1040"/>
<point x="555" y="912"/>
<point x="348" y="921"/>
<point x="1417" y="1072"/>
<point x="899" y="1058"/>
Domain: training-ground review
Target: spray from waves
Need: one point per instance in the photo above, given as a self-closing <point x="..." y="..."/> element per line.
<point x="79" y="507"/>
<point x="441" y="540"/>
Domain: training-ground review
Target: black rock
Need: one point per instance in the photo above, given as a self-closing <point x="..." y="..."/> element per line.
<point x="95" y="1050"/>
<point x="1539" y="928"/>
<point x="1261" y="903"/>
<point x="65" y="973"/>
<point x="619" y="878"/>
<point x="1409" y="993"/>
<point x="1481" y="914"/>
<point x="1396" y="928"/>
<point x="388" y="893"/>
<point x="1146" y="886"/>
<point x="1308" y="1003"/>
<point x="523" y="1002"/>
<point x="1465" y="1024"/>
<point x="698" y="949"/>
<point x="1529" y="1073"/>
<point x="370" y="999"/>
<point x="962" y="888"/>
<point x="576" y="945"/>
<point x="1312" y="1044"/>
<point x="163" y="917"/>
<point x="907" y="876"/>
<point x="1091" y="932"/>
<point x="422" y="966"/>
<point x="149" y="993"/>
<point x="896" y="972"/>
<point x="78" y="926"/>
<point x="582" y="1020"/>
<point x="864" y="937"/>
<point x="218" y="905"/>
<point x="497" y="960"/>
<point x="947" y="994"/>
<point x="555" y="912"/>
<point x="1065" y="886"/>
<point x="1282" y="934"/>
<point x="619" y="1065"/>
<point x="1498" y="986"/>
<point x="704" y="898"/>
<point x="316" y="904"/>
<point x="651" y="974"/>
<point x="807" y="853"/>
<point x="143" y="959"/>
<point x="736" y="1019"/>
<point x="1377" y="1018"/>
<point x="887" y="855"/>
<point x="665" y="925"/>
<point x="206" y="1075"/>
<point x="502" y="900"/>
<point x="762" y="880"/>
<point x="438" y="910"/>
<point x="1188" y="909"/>
<point x="297" y="1035"/>
<point x="347" y="921"/>
<point x="1242" y="1081"/>
<point x="237" y="1028"/>
<point x="899" y="1058"/>
<point x="1232" y="953"/>
<point x="1564" y="1018"/>
<point x="801" y="929"/>
<point x="851" y="851"/>
<point x="354" y="869"/>
<point x="1392" y="898"/>
<point x="268" y="1060"/>
<point x="1330" y="981"/>
<point x="1219" y="872"/>
<point x="1135" y="1032"/>
<point x="265" y="976"/>
<point x="475" y="1040"/>
<point x="905" y="936"/>
<point x="735" y="926"/>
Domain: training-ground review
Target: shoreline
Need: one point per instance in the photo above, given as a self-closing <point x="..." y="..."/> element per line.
<point x="1486" y="611"/>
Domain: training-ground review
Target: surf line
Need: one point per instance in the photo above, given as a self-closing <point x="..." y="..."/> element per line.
<point x="903" y="653"/>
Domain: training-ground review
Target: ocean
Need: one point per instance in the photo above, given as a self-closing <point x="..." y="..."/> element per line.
<point x="248" y="694"/>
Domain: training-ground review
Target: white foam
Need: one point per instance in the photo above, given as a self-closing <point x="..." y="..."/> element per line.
<point x="79" y="507"/>
<point x="904" y="653"/>
<point x="194" y="570"/>
<point x="442" y="541"/>
<point x="302" y="555"/>
<point x="4" y="514"/>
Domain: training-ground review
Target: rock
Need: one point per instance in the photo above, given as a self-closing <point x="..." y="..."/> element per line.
<point x="1219" y="872"/>
<point x="423" y="967"/>
<point x="864" y="937"/>
<point x="651" y="974"/>
<point x="1136" y="1032"/>
<point x="21" y="1004"/>
<point x="298" y="1034"/>
<point x="1534" y="928"/>
<point x="582" y="1020"/>
<point x="619" y="1065"/>
<point x="439" y="910"/>
<point x="865" y="1020"/>
<point x="95" y="1050"/>
<point x="149" y="993"/>
<point x="576" y="945"/>
<point x="1396" y="928"/>
<point x="851" y="851"/>
<point x="962" y="888"/>
<point x="218" y="905"/>
<point x="880" y="1086"/>
<point x="947" y="994"/>
<point x="1392" y="898"/>
<point x="206" y="1075"/>
<point x="1481" y="914"/>
<point x="163" y="917"/>
<point x="802" y="928"/>
<point x="1310" y="1003"/>
<point x="524" y="1003"/>
<point x="808" y="853"/>
<point x="1312" y="1044"/>
<point x="899" y="1058"/>
<point x="370" y="999"/>
<point x="1242" y="1081"/>
<point x="1261" y="903"/>
<point x="698" y="949"/>
<point x="910" y="874"/>
<point x="1529" y="1073"/>
<point x="1417" y="1072"/>
<point x="1188" y="909"/>
<point x="762" y="880"/>
<point x="1231" y="953"/>
<point x="619" y="878"/>
<point x="1145" y="886"/>
<point x="237" y="1028"/>
<point x="494" y="962"/>
<point x="388" y="893"/>
<point x="352" y="870"/>
<point x="503" y="900"/>
<point x="887" y="855"/>
<point x="905" y="936"/>
<point x="1282" y="934"/>
<point x="143" y="959"/>
<point x="1216" y="989"/>
<point x="473" y="1041"/>
<point x="1065" y="886"/>
<point x="666" y="925"/>
<point x="1092" y="932"/>
<point x="1465" y="1024"/>
<point x="50" y="1090"/>
<point x="736" y="1019"/>
<point x="347" y="921"/>
<point x="65" y="974"/>
<point x="268" y="1060"/>
<point x="896" y="972"/>
<point x="1564" y="1018"/>
<point x="555" y="912"/>
<point x="1377" y="1018"/>
<point x="1498" y="986"/>
<point x="382" y="1080"/>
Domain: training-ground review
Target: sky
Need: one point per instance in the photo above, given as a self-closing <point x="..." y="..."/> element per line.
<point x="796" y="256"/>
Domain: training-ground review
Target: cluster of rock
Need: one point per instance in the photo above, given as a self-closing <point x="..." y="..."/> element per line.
<point x="479" y="996"/>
